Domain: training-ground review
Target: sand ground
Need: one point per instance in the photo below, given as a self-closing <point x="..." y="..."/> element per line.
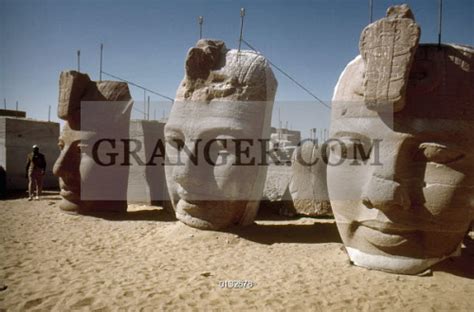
<point x="148" y="261"/>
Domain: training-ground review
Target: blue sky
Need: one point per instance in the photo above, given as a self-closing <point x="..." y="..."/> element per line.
<point x="146" y="42"/>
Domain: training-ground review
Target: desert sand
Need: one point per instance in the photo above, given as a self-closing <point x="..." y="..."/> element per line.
<point x="147" y="261"/>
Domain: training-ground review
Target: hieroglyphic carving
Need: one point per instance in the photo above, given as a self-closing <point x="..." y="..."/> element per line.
<point x="388" y="48"/>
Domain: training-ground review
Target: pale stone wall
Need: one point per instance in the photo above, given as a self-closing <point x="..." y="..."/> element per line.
<point x="17" y="136"/>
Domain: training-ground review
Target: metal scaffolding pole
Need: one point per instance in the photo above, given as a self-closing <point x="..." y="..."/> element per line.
<point x="148" y="109"/>
<point x="242" y="15"/>
<point x="200" y="21"/>
<point x="371" y="11"/>
<point x="100" y="63"/>
<point x="440" y="20"/>
<point x="79" y="60"/>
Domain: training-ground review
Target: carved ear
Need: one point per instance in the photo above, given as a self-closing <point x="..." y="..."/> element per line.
<point x="198" y="64"/>
<point x="388" y="48"/>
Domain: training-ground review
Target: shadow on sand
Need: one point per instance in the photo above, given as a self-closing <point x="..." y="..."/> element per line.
<point x="316" y="233"/>
<point x="46" y="195"/>
<point x="290" y="233"/>
<point x="139" y="215"/>
<point x="463" y="265"/>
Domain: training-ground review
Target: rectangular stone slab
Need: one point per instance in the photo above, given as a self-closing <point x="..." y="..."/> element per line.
<point x="388" y="48"/>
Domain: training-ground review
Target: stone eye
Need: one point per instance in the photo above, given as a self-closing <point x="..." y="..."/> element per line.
<point x="350" y="148"/>
<point x="176" y="143"/>
<point x="82" y="147"/>
<point x="437" y="153"/>
<point x="61" y="145"/>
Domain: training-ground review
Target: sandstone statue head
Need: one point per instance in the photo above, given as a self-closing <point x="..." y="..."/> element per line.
<point x="401" y="161"/>
<point x="222" y="109"/>
<point x="97" y="117"/>
<point x="308" y="184"/>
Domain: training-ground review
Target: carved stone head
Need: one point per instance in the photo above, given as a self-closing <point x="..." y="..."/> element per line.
<point x="401" y="165"/>
<point x="222" y="109"/>
<point x="95" y="112"/>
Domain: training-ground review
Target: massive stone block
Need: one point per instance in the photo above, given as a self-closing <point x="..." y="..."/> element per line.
<point x="72" y="87"/>
<point x="276" y="183"/>
<point x="225" y="103"/>
<point x="276" y="196"/>
<point x="75" y="87"/>
<point x="146" y="180"/>
<point x="92" y="179"/>
<point x="388" y="47"/>
<point x="401" y="192"/>
<point x="308" y="186"/>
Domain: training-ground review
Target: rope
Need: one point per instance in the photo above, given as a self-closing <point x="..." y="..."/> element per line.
<point x="288" y="76"/>
<point x="138" y="86"/>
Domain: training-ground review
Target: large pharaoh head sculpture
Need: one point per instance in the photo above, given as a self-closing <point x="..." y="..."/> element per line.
<point x="214" y="136"/>
<point x="401" y="165"/>
<point x="97" y="115"/>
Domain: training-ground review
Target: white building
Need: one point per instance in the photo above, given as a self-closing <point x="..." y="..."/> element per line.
<point x="17" y="136"/>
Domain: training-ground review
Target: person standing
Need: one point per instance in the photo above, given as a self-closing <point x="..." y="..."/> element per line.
<point x="35" y="170"/>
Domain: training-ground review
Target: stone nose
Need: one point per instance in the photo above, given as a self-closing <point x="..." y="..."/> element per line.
<point x="383" y="190"/>
<point x="186" y="170"/>
<point x="385" y="195"/>
<point x="67" y="164"/>
<point x="59" y="167"/>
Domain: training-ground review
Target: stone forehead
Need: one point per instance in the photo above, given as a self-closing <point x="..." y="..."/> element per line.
<point x="249" y="116"/>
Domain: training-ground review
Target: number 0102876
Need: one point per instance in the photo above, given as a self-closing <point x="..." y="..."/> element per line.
<point x="236" y="284"/>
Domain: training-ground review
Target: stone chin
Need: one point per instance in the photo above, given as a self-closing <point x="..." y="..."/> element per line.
<point x="210" y="215"/>
<point x="394" y="264"/>
<point x="69" y="206"/>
